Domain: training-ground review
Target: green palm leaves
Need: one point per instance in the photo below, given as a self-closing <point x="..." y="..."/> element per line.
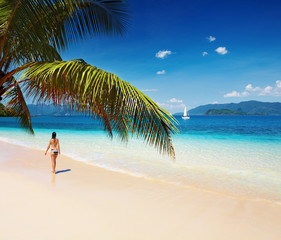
<point x="18" y="107"/>
<point x="30" y="26"/>
<point x="32" y="32"/>
<point x="120" y="106"/>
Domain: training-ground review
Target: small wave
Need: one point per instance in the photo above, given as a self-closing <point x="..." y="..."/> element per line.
<point x="76" y="157"/>
<point x="111" y="163"/>
<point x="19" y="143"/>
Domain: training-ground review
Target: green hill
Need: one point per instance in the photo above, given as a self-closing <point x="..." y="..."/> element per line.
<point x="224" y="112"/>
<point x="249" y="107"/>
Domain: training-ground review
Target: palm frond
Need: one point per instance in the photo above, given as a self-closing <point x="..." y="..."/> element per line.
<point x="121" y="107"/>
<point x="27" y="27"/>
<point x="17" y="105"/>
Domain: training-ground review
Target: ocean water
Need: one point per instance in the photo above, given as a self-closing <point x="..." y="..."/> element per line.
<point x="236" y="155"/>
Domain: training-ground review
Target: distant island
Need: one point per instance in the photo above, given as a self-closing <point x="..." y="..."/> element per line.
<point x="228" y="112"/>
<point x="223" y="112"/>
<point x="247" y="107"/>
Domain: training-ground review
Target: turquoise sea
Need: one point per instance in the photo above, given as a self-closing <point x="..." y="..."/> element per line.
<point x="236" y="155"/>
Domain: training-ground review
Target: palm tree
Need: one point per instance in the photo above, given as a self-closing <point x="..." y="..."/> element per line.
<point x="33" y="32"/>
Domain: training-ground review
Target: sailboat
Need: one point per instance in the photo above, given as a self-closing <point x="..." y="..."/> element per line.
<point x="185" y="116"/>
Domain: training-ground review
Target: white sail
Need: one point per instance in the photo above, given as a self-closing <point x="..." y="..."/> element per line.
<point x="185" y="112"/>
<point x="185" y="116"/>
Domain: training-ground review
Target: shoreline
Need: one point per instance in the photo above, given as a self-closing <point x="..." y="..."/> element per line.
<point x="127" y="173"/>
<point x="87" y="202"/>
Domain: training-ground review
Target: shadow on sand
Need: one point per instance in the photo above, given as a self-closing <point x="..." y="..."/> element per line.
<point x="62" y="171"/>
<point x="57" y="172"/>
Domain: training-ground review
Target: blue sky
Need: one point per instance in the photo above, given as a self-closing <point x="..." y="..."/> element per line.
<point x="243" y="60"/>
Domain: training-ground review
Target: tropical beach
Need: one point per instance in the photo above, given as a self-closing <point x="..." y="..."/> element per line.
<point x="107" y="190"/>
<point x="140" y="120"/>
<point x="87" y="202"/>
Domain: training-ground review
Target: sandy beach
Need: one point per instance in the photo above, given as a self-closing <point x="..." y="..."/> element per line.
<point x="86" y="202"/>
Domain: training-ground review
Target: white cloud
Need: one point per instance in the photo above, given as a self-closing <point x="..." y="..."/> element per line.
<point x="278" y="84"/>
<point x="266" y="91"/>
<point x="245" y="94"/>
<point x="232" y="94"/>
<point x="237" y="94"/>
<point x="174" y="100"/>
<point x="211" y="38"/>
<point x="161" y="72"/>
<point x="204" y="54"/>
<point x="215" y="102"/>
<point x="149" y="90"/>
<point x="258" y="91"/>
<point x="173" y="107"/>
<point x="250" y="88"/>
<point x="163" y="54"/>
<point x="221" y="50"/>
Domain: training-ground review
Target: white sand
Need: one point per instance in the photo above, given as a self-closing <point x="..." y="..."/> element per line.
<point x="87" y="202"/>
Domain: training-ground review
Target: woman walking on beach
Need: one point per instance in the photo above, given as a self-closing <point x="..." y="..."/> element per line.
<point x="55" y="150"/>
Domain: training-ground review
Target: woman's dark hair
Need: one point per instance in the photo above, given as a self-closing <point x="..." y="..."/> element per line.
<point x="54" y="135"/>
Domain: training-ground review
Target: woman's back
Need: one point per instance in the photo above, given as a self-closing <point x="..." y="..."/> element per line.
<point x="54" y="143"/>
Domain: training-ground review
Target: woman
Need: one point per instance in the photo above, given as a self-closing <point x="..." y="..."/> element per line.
<point x="55" y="150"/>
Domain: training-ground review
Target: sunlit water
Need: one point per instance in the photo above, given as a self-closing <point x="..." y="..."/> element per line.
<point x="237" y="155"/>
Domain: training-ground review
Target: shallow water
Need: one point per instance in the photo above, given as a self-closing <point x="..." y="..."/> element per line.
<point x="237" y="155"/>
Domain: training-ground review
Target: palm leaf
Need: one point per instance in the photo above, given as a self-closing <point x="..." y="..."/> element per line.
<point x="17" y="105"/>
<point x="120" y="106"/>
<point x="27" y="27"/>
